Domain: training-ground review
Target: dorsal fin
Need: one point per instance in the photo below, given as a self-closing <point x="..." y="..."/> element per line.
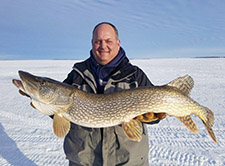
<point x="184" y="84"/>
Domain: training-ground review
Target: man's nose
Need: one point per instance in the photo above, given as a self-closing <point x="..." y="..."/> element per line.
<point x="103" y="44"/>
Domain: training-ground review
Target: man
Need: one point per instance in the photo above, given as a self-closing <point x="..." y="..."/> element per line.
<point x="106" y="71"/>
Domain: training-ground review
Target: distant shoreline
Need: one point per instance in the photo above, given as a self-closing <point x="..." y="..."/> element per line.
<point x="211" y="57"/>
<point x="203" y="57"/>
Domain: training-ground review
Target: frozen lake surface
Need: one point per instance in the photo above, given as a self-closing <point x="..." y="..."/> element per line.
<point x="26" y="136"/>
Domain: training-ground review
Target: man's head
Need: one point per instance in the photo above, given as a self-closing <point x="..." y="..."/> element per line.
<point x="105" y="43"/>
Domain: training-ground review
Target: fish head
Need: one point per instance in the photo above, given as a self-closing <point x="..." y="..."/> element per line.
<point x="48" y="96"/>
<point x="37" y="87"/>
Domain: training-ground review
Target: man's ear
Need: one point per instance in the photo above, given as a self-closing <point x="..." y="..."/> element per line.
<point x="118" y="43"/>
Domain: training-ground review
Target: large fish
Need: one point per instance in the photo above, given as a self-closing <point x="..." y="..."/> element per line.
<point x="69" y="104"/>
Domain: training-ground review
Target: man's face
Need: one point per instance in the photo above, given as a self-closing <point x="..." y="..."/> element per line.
<point x="105" y="45"/>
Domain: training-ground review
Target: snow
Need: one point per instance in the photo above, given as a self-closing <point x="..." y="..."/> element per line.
<point x="26" y="136"/>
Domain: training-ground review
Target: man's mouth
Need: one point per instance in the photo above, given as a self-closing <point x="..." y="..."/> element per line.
<point x="103" y="52"/>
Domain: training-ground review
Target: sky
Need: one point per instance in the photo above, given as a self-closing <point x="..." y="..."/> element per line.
<point x="62" y="29"/>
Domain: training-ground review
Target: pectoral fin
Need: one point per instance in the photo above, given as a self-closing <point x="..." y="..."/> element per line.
<point x="61" y="126"/>
<point x="133" y="129"/>
<point x="189" y="123"/>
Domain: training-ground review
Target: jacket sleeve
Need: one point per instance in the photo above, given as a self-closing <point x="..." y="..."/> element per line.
<point x="142" y="78"/>
<point x="69" y="78"/>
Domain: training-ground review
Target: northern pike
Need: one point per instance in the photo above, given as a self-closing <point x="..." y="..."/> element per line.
<point x="69" y="104"/>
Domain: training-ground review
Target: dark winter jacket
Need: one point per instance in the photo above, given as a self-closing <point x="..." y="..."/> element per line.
<point x="105" y="146"/>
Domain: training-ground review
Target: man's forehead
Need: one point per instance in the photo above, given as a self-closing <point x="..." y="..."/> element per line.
<point x="104" y="35"/>
<point x="104" y="30"/>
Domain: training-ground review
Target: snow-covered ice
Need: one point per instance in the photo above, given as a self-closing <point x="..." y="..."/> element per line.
<point x="26" y="136"/>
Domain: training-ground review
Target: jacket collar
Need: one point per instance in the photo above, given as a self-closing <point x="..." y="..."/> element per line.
<point x="103" y="72"/>
<point x="122" y="71"/>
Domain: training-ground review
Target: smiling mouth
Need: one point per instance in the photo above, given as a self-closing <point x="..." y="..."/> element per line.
<point x="103" y="52"/>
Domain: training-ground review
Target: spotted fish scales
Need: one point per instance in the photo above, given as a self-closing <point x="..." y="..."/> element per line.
<point x="126" y="107"/>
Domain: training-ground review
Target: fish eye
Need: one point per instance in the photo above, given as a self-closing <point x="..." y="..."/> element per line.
<point x="42" y="83"/>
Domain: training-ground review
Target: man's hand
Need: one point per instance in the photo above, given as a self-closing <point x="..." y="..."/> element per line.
<point x="160" y="116"/>
<point x="150" y="117"/>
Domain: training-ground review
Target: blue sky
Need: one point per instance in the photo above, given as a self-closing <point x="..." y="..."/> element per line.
<point x="62" y="29"/>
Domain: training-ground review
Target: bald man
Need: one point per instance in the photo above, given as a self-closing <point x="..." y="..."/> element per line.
<point x="107" y="70"/>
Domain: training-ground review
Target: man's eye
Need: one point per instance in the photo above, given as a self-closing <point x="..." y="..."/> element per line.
<point x="97" y="42"/>
<point x="109" y="41"/>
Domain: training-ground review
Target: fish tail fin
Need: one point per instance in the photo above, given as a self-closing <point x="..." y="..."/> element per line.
<point x="210" y="132"/>
<point x="209" y="116"/>
<point x="208" y="123"/>
<point x="189" y="123"/>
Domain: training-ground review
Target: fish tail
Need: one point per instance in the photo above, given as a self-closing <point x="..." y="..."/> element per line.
<point x="208" y="117"/>
<point x="208" y="121"/>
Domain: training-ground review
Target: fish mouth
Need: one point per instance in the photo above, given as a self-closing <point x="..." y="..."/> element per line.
<point x="18" y="84"/>
<point x="29" y="83"/>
